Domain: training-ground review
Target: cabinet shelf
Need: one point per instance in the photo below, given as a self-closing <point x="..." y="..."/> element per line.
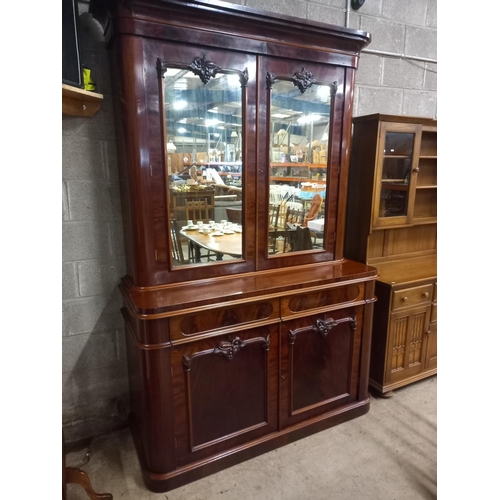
<point x="395" y="187"/>
<point x="80" y="102"/>
<point x="289" y="179"/>
<point x="428" y="157"/>
<point x="419" y="221"/>
<point x="427" y="187"/>
<point x="299" y="165"/>
<point x="213" y="163"/>
<point x="396" y="157"/>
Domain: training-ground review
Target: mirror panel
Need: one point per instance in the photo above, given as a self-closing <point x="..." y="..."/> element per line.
<point x="298" y="173"/>
<point x="204" y="154"/>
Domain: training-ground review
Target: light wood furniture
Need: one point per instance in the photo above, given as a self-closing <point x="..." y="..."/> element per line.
<point x="233" y="358"/>
<point x="79" y="102"/>
<point x="392" y="225"/>
<point x="72" y="475"/>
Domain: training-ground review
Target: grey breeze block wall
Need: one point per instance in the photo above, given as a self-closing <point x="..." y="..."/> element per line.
<point x="94" y="378"/>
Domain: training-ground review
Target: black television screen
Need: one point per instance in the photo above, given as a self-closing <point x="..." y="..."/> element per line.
<point x="71" y="66"/>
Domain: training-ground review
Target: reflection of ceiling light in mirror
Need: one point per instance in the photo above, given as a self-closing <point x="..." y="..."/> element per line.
<point x="233" y="80"/>
<point x="180" y="104"/>
<point x="324" y="91"/>
<point x="170" y="147"/>
<point x="184" y="120"/>
<point x="279" y="115"/>
<point x="181" y="130"/>
<point x="220" y="128"/>
<point x="213" y="110"/>
<point x="308" y="119"/>
<point x="210" y="122"/>
<point x="234" y="134"/>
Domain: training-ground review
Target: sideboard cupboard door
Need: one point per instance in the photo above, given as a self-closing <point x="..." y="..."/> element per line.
<point x="225" y="392"/>
<point x="320" y="363"/>
<point x="430" y="360"/>
<point x="407" y="342"/>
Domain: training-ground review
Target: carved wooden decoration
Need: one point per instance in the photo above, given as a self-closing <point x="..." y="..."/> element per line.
<point x="322" y="327"/>
<point x="203" y="68"/>
<point x="303" y="80"/>
<point x="227" y="348"/>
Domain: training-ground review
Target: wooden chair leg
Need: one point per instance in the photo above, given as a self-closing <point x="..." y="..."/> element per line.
<point x="80" y="477"/>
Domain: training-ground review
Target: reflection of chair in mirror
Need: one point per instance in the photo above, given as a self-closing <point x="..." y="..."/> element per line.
<point x="197" y="210"/>
<point x="274" y="212"/>
<point x="175" y="238"/>
<point x="294" y="216"/>
<point x="278" y="241"/>
<point x="314" y="209"/>
<point x="234" y="215"/>
<point x="300" y="239"/>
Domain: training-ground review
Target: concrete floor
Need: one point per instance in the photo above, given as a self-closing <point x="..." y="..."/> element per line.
<point x="388" y="454"/>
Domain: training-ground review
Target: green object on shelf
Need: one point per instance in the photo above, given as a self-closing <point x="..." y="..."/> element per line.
<point x="88" y="83"/>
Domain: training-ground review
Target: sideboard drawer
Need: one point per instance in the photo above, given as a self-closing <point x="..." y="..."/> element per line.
<point x="316" y="301"/>
<point x="411" y="296"/>
<point x="222" y="319"/>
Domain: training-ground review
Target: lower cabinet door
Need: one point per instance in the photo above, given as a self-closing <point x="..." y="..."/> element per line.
<point x="225" y="392"/>
<point x="405" y="346"/>
<point x="431" y="348"/>
<point x="320" y="363"/>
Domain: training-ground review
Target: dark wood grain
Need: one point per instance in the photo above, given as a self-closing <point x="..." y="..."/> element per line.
<point x="216" y="376"/>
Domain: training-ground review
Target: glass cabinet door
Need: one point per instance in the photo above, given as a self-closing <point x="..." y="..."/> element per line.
<point x="397" y="167"/>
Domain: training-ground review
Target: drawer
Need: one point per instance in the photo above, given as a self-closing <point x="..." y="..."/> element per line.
<point x="318" y="300"/>
<point x="409" y="297"/>
<point x="224" y="319"/>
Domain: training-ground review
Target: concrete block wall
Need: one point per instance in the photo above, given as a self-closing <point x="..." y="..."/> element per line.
<point x="94" y="379"/>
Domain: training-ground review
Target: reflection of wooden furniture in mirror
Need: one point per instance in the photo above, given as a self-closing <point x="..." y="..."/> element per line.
<point x="392" y="224"/>
<point x="234" y="215"/>
<point x="176" y="245"/>
<point x="181" y="199"/>
<point x="232" y="358"/>
<point x="197" y="211"/>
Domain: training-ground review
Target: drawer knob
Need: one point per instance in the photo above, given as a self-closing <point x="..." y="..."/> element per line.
<point x="416" y="170"/>
<point x="405" y="299"/>
<point x="426" y="295"/>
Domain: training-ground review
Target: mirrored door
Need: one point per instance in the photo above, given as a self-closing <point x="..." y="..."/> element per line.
<point x="301" y="130"/>
<point x="203" y="105"/>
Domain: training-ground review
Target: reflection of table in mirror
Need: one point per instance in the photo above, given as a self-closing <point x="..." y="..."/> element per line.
<point x="227" y="244"/>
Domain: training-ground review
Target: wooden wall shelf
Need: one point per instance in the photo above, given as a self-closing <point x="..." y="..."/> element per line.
<point x="79" y="102"/>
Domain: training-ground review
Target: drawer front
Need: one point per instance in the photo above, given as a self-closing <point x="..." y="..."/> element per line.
<point x="409" y="297"/>
<point x="316" y="301"/>
<point x="222" y="319"/>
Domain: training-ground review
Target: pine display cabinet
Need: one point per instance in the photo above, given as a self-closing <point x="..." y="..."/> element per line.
<point x="392" y="225"/>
